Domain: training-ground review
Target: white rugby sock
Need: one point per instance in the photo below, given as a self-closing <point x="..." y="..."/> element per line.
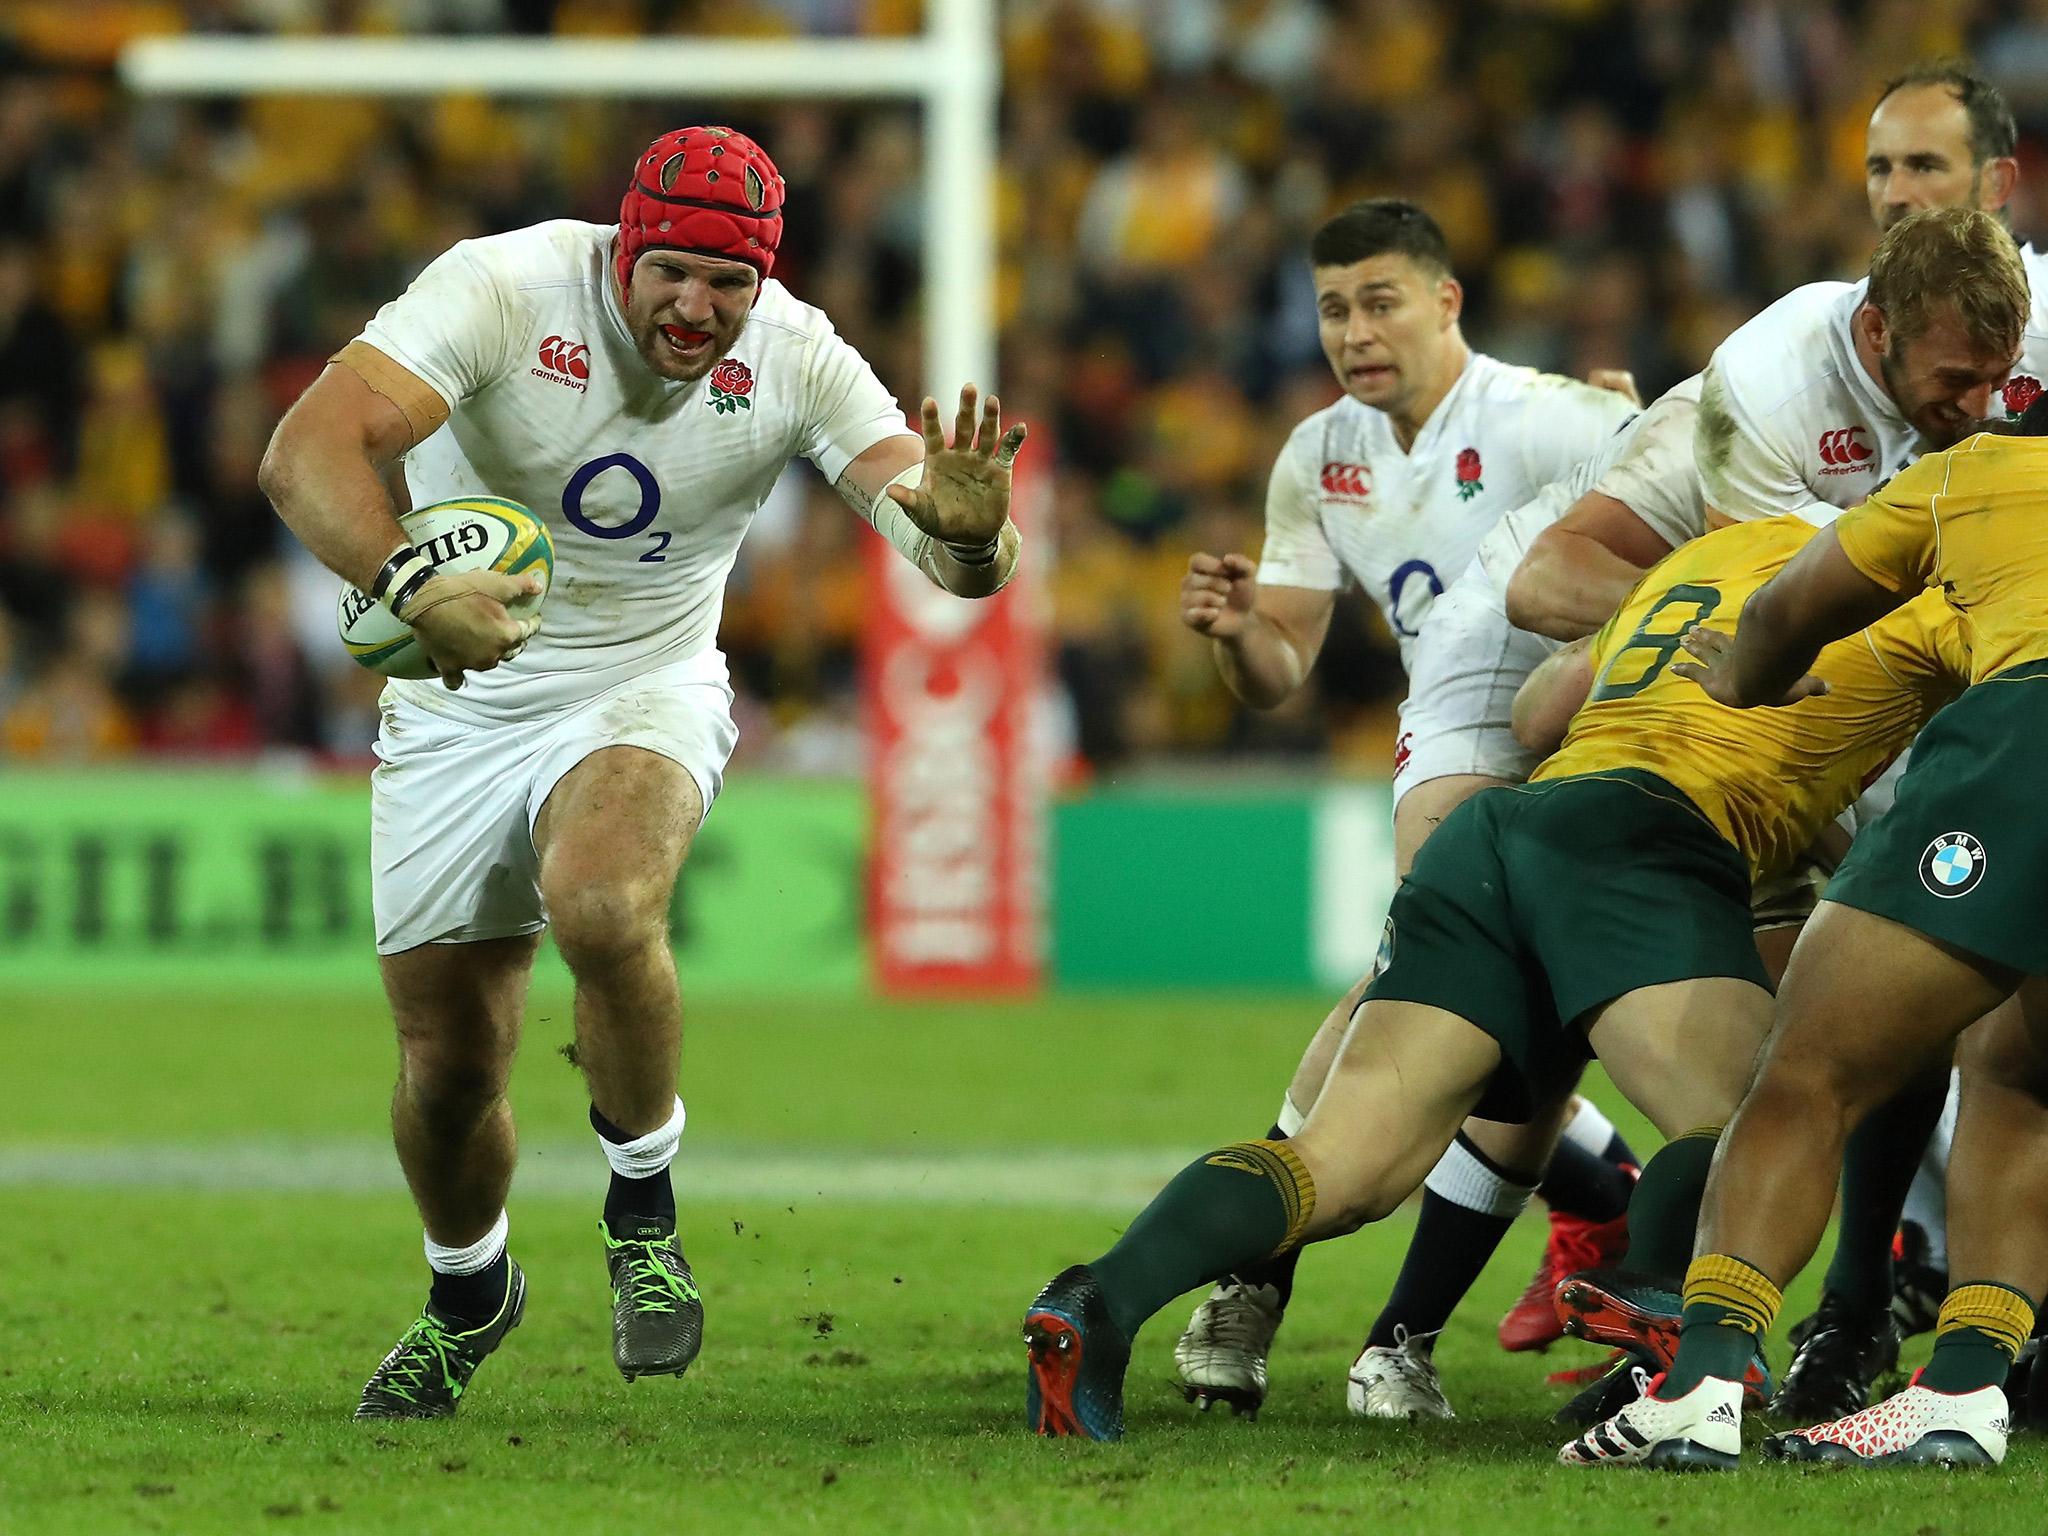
<point x="1589" y="1130"/>
<point x="645" y="1156"/>
<point x="1290" y="1120"/>
<point x="474" y="1259"/>
<point x="1462" y="1178"/>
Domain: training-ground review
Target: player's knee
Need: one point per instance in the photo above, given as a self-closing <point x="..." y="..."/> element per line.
<point x="1349" y="1194"/>
<point x="450" y="1091"/>
<point x="1349" y="1208"/>
<point x="603" y="922"/>
<point x="1808" y="1087"/>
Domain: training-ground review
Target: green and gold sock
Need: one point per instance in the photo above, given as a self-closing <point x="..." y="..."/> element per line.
<point x="1981" y="1329"/>
<point x="1232" y="1207"/>
<point x="1729" y="1306"/>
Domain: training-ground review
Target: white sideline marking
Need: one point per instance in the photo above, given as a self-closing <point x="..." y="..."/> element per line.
<point x="1073" y="1179"/>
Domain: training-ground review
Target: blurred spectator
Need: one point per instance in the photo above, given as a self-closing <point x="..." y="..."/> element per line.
<point x="1622" y="182"/>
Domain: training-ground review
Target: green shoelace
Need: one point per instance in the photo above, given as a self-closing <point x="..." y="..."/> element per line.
<point x="650" y="1285"/>
<point x="425" y="1342"/>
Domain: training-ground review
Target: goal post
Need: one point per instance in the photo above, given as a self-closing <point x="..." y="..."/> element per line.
<point x="951" y="71"/>
<point x="954" y="896"/>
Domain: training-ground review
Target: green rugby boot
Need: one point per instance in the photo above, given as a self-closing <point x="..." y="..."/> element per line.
<point x="657" y="1315"/>
<point x="1074" y="1384"/>
<point x="427" y="1372"/>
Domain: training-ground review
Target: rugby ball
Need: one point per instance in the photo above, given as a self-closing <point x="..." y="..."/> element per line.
<point x="473" y="533"/>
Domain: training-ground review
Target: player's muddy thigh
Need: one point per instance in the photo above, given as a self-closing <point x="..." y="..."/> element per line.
<point x="1404" y="1080"/>
<point x="1415" y="817"/>
<point x="458" y="1009"/>
<point x="1998" y="1167"/>
<point x="1683" y="1052"/>
<point x="612" y="838"/>
<point x="1865" y="1004"/>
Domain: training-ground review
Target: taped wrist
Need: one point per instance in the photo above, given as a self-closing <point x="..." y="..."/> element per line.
<point x="401" y="578"/>
<point x="974" y="554"/>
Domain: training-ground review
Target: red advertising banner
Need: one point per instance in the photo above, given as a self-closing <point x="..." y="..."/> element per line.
<point x="957" y="791"/>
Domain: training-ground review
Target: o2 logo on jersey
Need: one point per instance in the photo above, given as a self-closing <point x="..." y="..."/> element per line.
<point x="650" y="504"/>
<point x="564" y="362"/>
<point x="1843" y="453"/>
<point x="1405" y="604"/>
<point x="1953" y="865"/>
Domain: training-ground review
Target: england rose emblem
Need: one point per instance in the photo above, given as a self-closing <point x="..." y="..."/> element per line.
<point x="1469" y="483"/>
<point x="731" y="382"/>
<point x="2020" y="391"/>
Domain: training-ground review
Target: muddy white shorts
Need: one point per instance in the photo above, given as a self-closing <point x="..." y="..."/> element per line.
<point x="1459" y="714"/>
<point x="453" y="803"/>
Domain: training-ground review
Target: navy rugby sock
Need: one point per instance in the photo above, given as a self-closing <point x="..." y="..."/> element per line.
<point x="633" y="1200"/>
<point x="1586" y="1184"/>
<point x="1451" y="1245"/>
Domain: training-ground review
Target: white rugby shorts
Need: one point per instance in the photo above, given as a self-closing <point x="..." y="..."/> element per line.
<point x="452" y="804"/>
<point x="1468" y="663"/>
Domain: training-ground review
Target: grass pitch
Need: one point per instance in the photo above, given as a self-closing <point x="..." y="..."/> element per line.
<point x="204" y="1248"/>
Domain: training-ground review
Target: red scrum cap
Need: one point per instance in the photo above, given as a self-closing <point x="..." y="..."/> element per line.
<point x="710" y="190"/>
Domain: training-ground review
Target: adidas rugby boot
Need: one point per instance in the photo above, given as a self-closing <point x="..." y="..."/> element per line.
<point x="1077" y="1360"/>
<point x="1916" y="1427"/>
<point x="1701" y="1431"/>
<point x="657" y="1315"/>
<point x="427" y="1372"/>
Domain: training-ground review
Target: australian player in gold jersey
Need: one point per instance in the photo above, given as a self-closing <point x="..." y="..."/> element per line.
<point x="1935" y="917"/>
<point x="1602" y="908"/>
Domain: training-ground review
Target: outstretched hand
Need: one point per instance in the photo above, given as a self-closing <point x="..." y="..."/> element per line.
<point x="1714" y="670"/>
<point x="964" y="498"/>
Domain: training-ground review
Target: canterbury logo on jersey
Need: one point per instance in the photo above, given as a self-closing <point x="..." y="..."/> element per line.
<point x="1842" y="452"/>
<point x="563" y="361"/>
<point x="1351" y="482"/>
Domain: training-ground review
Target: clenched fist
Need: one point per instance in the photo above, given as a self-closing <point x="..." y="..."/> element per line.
<point x="462" y="624"/>
<point x="1217" y="594"/>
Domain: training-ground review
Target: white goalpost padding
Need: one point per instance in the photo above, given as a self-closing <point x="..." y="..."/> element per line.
<point x="951" y="71"/>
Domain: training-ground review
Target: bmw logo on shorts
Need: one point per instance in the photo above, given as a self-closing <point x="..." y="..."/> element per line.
<point x="1952" y="864"/>
<point x="1385" y="957"/>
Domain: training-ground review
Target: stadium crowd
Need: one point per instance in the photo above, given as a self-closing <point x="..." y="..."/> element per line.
<point x="1622" y="182"/>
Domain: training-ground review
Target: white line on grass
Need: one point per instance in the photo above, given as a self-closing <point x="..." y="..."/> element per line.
<point x="1120" y="1180"/>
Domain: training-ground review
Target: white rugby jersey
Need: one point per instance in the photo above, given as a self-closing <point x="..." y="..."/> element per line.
<point x="1345" y="505"/>
<point x="647" y="485"/>
<point x="1646" y="464"/>
<point x="1790" y="421"/>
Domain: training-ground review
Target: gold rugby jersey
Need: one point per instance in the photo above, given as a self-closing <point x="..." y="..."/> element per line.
<point x="1974" y="522"/>
<point x="1768" y="779"/>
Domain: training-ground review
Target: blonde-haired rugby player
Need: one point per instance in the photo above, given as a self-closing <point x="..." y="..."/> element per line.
<point x="1933" y="920"/>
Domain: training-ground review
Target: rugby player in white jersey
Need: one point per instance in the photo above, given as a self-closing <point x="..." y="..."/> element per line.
<point x="1391" y="489"/>
<point x="1940" y="136"/>
<point x="1807" y="410"/>
<point x="640" y="387"/>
